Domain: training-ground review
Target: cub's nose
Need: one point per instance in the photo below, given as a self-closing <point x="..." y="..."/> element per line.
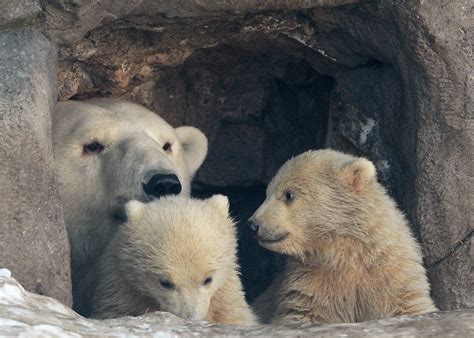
<point x="162" y="185"/>
<point x="253" y="227"/>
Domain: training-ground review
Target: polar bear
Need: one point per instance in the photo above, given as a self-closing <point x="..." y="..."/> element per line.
<point x="108" y="151"/>
<point x="352" y="256"/>
<point x="174" y="254"/>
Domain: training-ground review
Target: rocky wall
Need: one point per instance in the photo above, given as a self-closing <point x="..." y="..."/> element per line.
<point x="33" y="239"/>
<point x="390" y="80"/>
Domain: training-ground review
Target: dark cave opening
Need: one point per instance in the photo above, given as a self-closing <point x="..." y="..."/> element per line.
<point x="259" y="100"/>
<point x="250" y="147"/>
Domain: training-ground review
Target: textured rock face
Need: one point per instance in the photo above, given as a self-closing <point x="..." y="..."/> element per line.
<point x="23" y="313"/>
<point x="33" y="236"/>
<point x="388" y="80"/>
<point x="69" y="21"/>
<point x="19" y="13"/>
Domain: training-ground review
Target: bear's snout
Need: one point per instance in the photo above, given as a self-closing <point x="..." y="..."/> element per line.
<point x="161" y="185"/>
<point x="266" y="234"/>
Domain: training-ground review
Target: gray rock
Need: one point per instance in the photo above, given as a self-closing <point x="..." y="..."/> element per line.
<point x="27" y="314"/>
<point x="33" y="243"/>
<point x="68" y="21"/>
<point x="444" y="96"/>
<point x="451" y="291"/>
<point x="366" y="112"/>
<point x="239" y="150"/>
<point x="15" y="13"/>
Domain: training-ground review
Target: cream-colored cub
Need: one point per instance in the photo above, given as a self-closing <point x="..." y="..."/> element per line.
<point x="174" y="254"/>
<point x="352" y="256"/>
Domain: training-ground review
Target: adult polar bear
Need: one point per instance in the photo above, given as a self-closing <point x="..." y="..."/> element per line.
<point x="109" y="151"/>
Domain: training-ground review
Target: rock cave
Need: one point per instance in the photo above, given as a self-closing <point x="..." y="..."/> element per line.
<point x="266" y="81"/>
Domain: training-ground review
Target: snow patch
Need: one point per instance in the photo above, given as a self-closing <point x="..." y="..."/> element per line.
<point x="9" y="292"/>
<point x="383" y="166"/>
<point x="25" y="314"/>
<point x="10" y="322"/>
<point x="366" y="130"/>
<point x="5" y="273"/>
<point x="46" y="330"/>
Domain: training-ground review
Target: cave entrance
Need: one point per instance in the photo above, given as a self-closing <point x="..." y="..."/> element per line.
<point x="260" y="97"/>
<point x="258" y="111"/>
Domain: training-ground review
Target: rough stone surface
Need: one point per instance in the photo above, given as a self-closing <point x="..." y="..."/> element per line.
<point x="17" y="13"/>
<point x="33" y="241"/>
<point x="390" y="80"/>
<point x="68" y="21"/>
<point x="27" y="314"/>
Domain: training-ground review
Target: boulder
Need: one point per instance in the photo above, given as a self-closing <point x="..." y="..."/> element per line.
<point x="33" y="239"/>
<point x="16" y="14"/>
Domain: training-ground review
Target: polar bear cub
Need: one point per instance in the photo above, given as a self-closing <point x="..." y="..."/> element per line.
<point x="352" y="256"/>
<point x="174" y="254"/>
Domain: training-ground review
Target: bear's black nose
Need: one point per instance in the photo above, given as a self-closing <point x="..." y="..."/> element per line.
<point x="253" y="227"/>
<point x="162" y="185"/>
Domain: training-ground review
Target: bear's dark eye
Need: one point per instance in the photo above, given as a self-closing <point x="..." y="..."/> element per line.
<point x="289" y="196"/>
<point x="207" y="281"/>
<point x="93" y="148"/>
<point x="166" y="284"/>
<point x="167" y="147"/>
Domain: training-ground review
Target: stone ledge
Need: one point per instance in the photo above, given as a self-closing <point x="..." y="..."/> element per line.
<point x="68" y="22"/>
<point x="24" y="313"/>
<point x="33" y="238"/>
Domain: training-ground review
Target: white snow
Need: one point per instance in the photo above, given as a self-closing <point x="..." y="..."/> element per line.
<point x="25" y="314"/>
<point x="10" y="293"/>
<point x="5" y="273"/>
<point x="365" y="130"/>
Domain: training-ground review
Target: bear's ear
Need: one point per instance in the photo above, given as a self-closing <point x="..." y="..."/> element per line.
<point x="194" y="144"/>
<point x="221" y="203"/>
<point x="358" y="173"/>
<point x="134" y="210"/>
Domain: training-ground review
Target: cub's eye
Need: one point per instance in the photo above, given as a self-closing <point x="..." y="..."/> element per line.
<point x="167" y="147"/>
<point x="93" y="148"/>
<point x="207" y="281"/>
<point x="166" y="284"/>
<point x="289" y="196"/>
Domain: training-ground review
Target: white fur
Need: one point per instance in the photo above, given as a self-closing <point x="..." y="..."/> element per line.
<point x="182" y="242"/>
<point x="352" y="256"/>
<point x="94" y="187"/>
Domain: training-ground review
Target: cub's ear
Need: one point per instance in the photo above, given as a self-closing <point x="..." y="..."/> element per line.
<point x="194" y="144"/>
<point x="134" y="210"/>
<point x="358" y="173"/>
<point x="221" y="203"/>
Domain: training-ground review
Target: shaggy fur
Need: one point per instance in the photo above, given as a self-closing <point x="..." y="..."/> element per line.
<point x="93" y="187"/>
<point x="352" y="256"/>
<point x="161" y="258"/>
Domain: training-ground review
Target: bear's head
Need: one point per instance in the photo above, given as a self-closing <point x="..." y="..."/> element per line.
<point x="109" y="151"/>
<point x="315" y="198"/>
<point x="178" y="252"/>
